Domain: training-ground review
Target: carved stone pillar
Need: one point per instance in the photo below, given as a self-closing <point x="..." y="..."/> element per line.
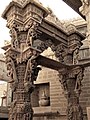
<point x="71" y="83"/>
<point x="71" y="78"/>
<point x="23" y="21"/>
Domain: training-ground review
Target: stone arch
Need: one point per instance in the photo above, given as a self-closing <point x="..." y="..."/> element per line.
<point x="59" y="50"/>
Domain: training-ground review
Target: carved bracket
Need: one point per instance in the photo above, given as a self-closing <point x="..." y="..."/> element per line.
<point x="31" y="73"/>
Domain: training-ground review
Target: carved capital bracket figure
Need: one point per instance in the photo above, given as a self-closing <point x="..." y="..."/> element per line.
<point x="31" y="74"/>
<point x="71" y="83"/>
<point x="32" y="32"/>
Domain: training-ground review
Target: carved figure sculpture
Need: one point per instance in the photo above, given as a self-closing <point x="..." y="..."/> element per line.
<point x="14" y="41"/>
<point x="31" y="32"/>
<point x="11" y="69"/>
<point x="78" y="81"/>
<point x="75" y="56"/>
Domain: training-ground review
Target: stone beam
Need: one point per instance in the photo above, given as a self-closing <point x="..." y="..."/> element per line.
<point x="55" y="65"/>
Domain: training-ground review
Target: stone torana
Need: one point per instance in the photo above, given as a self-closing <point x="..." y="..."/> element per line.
<point x="33" y="29"/>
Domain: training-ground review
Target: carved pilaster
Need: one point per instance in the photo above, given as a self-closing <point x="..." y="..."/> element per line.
<point x="71" y="84"/>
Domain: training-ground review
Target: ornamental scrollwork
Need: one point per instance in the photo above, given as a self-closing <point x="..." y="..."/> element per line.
<point x="85" y="2"/>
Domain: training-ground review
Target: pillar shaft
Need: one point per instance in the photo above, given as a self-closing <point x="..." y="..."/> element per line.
<point x="71" y="83"/>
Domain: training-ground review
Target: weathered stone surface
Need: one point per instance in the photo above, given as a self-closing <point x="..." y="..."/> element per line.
<point x="31" y="34"/>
